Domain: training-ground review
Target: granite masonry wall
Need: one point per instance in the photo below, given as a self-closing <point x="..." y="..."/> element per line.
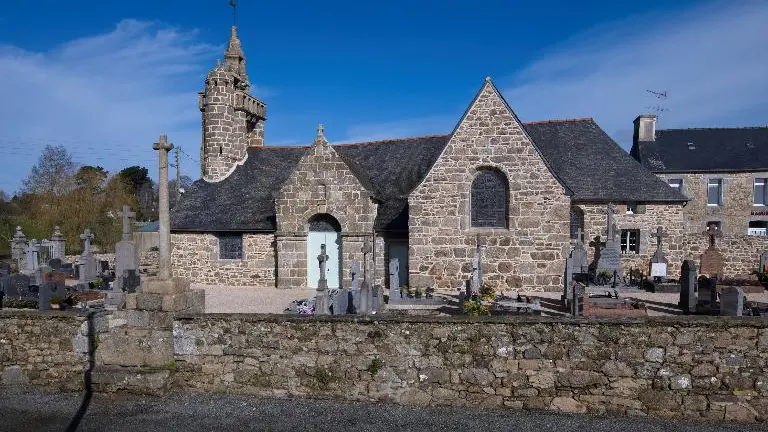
<point x="530" y="253"/>
<point x="647" y="219"/>
<point x="697" y="368"/>
<point x="40" y="349"/>
<point x="741" y="253"/>
<point x="702" y="368"/>
<point x="195" y="256"/>
<point x="737" y="207"/>
<point x="321" y="183"/>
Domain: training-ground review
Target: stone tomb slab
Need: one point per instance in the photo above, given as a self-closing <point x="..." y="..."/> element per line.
<point x="732" y="301"/>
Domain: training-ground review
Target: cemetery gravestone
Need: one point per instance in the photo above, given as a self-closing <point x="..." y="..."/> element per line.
<point x="764" y="261"/>
<point x="576" y="263"/>
<point x="126" y="254"/>
<point x="87" y="262"/>
<point x="19" y="249"/>
<point x="55" y="263"/>
<point x="658" y="260"/>
<point x="57" y="242"/>
<point x="477" y="272"/>
<point x="341" y="302"/>
<point x="610" y="255"/>
<point x="394" y="280"/>
<point x="707" y="300"/>
<point x="732" y="301"/>
<point x="711" y="260"/>
<point x="130" y="281"/>
<point x="32" y="257"/>
<point x="17" y="286"/>
<point x="688" y="273"/>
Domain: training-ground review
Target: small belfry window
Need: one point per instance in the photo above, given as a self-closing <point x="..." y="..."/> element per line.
<point x="488" y="200"/>
<point x="715" y="192"/>
<point x="760" y="192"/>
<point x="230" y="246"/>
<point x="630" y="241"/>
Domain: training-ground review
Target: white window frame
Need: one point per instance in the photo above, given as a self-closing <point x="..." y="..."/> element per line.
<point x="678" y="186"/>
<point x="755" y="231"/>
<point x="764" y="183"/>
<point x="631" y="208"/>
<point x="624" y="244"/>
<point x="715" y="182"/>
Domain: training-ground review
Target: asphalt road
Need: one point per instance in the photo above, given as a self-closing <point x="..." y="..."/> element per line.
<point x="34" y="410"/>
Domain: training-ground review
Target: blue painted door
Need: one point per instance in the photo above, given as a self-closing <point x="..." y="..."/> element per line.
<point x="400" y="251"/>
<point x="332" y="242"/>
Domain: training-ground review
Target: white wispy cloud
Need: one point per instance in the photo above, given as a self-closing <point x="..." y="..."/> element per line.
<point x="105" y="97"/>
<point x="711" y="60"/>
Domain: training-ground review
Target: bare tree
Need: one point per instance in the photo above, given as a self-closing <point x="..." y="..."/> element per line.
<point x="53" y="174"/>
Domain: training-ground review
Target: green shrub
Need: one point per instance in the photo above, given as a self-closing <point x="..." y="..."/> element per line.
<point x="375" y="366"/>
<point x="475" y="308"/>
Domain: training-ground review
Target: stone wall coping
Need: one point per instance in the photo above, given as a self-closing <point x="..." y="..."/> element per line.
<point x="28" y="313"/>
<point x="687" y="321"/>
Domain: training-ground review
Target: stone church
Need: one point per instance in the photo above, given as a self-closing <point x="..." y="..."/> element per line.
<point x="524" y="191"/>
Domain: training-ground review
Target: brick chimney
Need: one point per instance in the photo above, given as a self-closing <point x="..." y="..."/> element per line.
<point x="645" y="128"/>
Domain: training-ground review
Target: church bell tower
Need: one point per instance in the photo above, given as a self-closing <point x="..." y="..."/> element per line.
<point x="232" y="119"/>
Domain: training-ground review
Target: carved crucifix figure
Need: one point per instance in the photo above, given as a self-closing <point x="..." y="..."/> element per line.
<point x="610" y="210"/>
<point x="712" y="232"/>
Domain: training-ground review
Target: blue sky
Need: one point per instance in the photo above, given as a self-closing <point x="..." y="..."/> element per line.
<point x="106" y="78"/>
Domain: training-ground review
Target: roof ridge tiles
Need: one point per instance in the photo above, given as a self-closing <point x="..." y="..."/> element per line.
<point x="560" y="120"/>
<point x="391" y="140"/>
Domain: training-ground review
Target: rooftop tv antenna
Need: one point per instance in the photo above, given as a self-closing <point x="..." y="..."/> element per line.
<point x="661" y="95"/>
<point x="233" y="3"/>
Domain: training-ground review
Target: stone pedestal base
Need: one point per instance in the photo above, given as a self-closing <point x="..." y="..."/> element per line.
<point x="169" y="295"/>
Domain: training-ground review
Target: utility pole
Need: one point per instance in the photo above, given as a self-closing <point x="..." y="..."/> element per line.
<point x="178" y="177"/>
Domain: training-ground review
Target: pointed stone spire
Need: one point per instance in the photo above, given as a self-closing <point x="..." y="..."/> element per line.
<point x="320" y="138"/>
<point x="234" y="57"/>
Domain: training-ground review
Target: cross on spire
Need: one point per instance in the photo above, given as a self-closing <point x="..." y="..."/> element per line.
<point x="233" y="4"/>
<point x="320" y="137"/>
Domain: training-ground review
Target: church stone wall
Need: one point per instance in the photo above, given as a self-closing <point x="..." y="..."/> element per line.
<point x="738" y="201"/>
<point x="667" y="216"/>
<point x="530" y="254"/>
<point x="321" y="183"/>
<point x="741" y="253"/>
<point x="195" y="256"/>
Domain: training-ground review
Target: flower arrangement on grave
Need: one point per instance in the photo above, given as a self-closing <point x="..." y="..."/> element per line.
<point x="417" y="293"/>
<point x="408" y="291"/>
<point x="429" y="292"/>
<point x="306" y="309"/>
<point x="487" y="293"/>
<point x="475" y="307"/>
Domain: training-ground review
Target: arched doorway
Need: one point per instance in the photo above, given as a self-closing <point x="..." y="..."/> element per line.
<point x="324" y="229"/>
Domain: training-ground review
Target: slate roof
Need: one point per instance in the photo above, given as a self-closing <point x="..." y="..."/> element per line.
<point x="713" y="150"/>
<point x="592" y="166"/>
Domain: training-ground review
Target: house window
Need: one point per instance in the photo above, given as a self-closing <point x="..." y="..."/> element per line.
<point x="760" y="192"/>
<point x="577" y="222"/>
<point x="631" y="207"/>
<point x="488" y="200"/>
<point x="231" y="246"/>
<point x="715" y="192"/>
<point x="630" y="241"/>
<point x="757" y="228"/>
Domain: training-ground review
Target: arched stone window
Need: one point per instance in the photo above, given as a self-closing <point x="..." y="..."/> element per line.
<point x="577" y="221"/>
<point x="489" y="199"/>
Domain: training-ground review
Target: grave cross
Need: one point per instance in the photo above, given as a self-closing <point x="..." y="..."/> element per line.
<point x="126" y="214"/>
<point x="86" y="237"/>
<point x="322" y="259"/>
<point x="610" y="210"/>
<point x="712" y="232"/>
<point x="366" y="249"/>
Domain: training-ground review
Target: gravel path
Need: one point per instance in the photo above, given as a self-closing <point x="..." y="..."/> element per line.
<point x="232" y="299"/>
<point x="33" y="410"/>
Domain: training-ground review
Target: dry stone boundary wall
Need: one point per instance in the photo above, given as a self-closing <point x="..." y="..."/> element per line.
<point x="683" y="367"/>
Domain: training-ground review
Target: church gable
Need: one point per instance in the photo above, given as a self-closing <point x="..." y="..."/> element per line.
<point x="323" y="183"/>
<point x="490" y="180"/>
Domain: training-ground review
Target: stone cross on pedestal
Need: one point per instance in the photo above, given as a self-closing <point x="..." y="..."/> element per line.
<point x="366" y="250"/>
<point x="660" y="234"/>
<point x="127" y="214"/>
<point x="322" y="260"/>
<point x="58" y="244"/>
<point x="712" y="232"/>
<point x="610" y="210"/>
<point x="87" y="237"/>
<point x="19" y="248"/>
<point x="164" y="230"/>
